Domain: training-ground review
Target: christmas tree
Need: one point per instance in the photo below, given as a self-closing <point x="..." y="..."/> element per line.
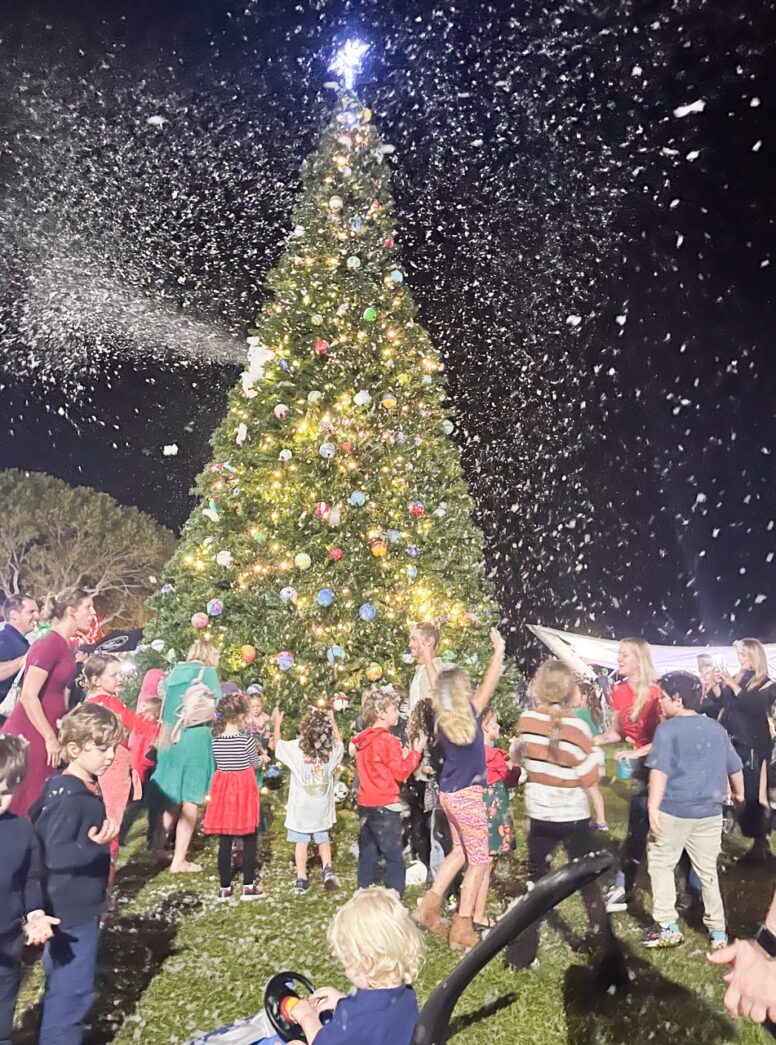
<point x="334" y="513"/>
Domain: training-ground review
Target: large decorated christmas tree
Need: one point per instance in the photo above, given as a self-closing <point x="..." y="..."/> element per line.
<point x="334" y="513"/>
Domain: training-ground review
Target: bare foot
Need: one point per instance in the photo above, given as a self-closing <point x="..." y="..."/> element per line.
<point x="185" y="868"/>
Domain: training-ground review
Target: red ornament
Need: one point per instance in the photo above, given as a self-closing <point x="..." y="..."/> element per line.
<point x="321" y="346"/>
<point x="388" y="243"/>
<point x="417" y="509"/>
<point x="321" y="510"/>
<point x="335" y="554"/>
<point x="346" y="447"/>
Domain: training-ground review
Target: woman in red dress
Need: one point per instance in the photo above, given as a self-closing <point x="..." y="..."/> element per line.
<point x="50" y="666"/>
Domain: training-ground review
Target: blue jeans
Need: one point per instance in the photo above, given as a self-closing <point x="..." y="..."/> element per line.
<point x="380" y="835"/>
<point x="69" y="961"/>
<point x="10" y="952"/>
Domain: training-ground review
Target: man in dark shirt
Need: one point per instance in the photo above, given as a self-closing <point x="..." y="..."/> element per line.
<point x="20" y="613"/>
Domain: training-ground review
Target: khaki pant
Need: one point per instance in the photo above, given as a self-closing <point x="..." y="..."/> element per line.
<point x="703" y="841"/>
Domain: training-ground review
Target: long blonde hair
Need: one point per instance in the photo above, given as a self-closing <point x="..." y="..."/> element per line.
<point x="452" y="704"/>
<point x="755" y="650"/>
<point x="554" y="687"/>
<point x="647" y="674"/>
<point x="204" y="652"/>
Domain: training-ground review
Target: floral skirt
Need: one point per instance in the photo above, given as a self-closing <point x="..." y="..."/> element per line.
<point x="233" y="805"/>
<point x="501" y="827"/>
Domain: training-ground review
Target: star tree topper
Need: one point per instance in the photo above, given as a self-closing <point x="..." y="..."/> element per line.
<point x="347" y="61"/>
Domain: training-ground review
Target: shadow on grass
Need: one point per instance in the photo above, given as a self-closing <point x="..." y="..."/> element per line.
<point x="460" y="1023"/>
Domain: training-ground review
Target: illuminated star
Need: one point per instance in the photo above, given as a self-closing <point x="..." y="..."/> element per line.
<point x="347" y="61"/>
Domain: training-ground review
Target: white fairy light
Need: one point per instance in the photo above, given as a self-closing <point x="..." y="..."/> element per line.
<point x="347" y="61"/>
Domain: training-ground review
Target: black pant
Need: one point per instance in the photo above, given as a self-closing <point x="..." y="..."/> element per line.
<point x="634" y="848"/>
<point x="420" y="821"/>
<point x="10" y="954"/>
<point x="151" y="802"/>
<point x="225" y="858"/>
<point x="380" y="835"/>
<point x="577" y="839"/>
<point x="753" y="819"/>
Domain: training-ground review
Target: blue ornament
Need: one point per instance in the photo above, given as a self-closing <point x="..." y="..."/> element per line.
<point x="367" y="612"/>
<point x="356" y="224"/>
<point x="473" y="658"/>
<point x="357" y="499"/>
<point x="447" y="427"/>
<point x="413" y="551"/>
<point x="412" y="572"/>
<point x="335" y="653"/>
<point x="284" y="365"/>
<point x="407" y="657"/>
<point x="288" y="594"/>
<point x="327" y="451"/>
<point x="401" y="438"/>
<point x="215" y="608"/>
<point x="325" y="597"/>
<point x="285" y="660"/>
<point x="167" y="589"/>
<point x="396" y="276"/>
<point x="394" y="536"/>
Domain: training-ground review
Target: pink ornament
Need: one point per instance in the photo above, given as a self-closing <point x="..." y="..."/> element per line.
<point x="281" y="411"/>
<point x="346" y="447"/>
<point x="388" y="243"/>
<point x="335" y="554"/>
<point x="200" y="621"/>
<point x="321" y="510"/>
<point x="216" y="468"/>
<point x="321" y="346"/>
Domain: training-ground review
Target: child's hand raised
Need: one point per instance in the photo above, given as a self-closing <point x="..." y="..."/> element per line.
<point x="104" y="834"/>
<point x="497" y="642"/>
<point x="419" y="743"/>
<point x="277" y="716"/>
<point x="325" y="999"/>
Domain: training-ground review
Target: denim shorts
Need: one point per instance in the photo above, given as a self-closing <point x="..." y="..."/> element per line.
<point x="299" y="837"/>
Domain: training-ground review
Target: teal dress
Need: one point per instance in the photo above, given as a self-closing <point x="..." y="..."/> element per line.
<point x="184" y="770"/>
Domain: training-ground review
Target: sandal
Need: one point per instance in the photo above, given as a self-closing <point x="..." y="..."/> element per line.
<point x="482" y="927"/>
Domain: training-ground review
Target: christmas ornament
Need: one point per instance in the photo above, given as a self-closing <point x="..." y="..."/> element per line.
<point x="335" y="515"/>
<point x="247" y="654"/>
<point x="448" y="427"/>
<point x="242" y="433"/>
<point x="378" y="549"/>
<point x="321" y="510"/>
<point x="401" y="437"/>
<point x="356" y="224"/>
<point x="370" y="314"/>
<point x="340" y="703"/>
<point x="326" y="425"/>
<point x="362" y="398"/>
<point x="215" y="607"/>
<point x="316" y="319"/>
<point x="167" y="589"/>
<point x="407" y="657"/>
<point x="327" y="451"/>
<point x="366" y="115"/>
<point x="200" y="621"/>
<point x="229" y="467"/>
<point x="314" y="397"/>
<point x="285" y="660"/>
<point x="321" y="346"/>
<point x="335" y="203"/>
<point x="426" y="379"/>
<point x="281" y="411"/>
<point x="325" y="597"/>
<point x="335" y="653"/>
<point x="389" y="401"/>
<point x="449" y="656"/>
<point x="440" y="511"/>
<point x="473" y="658"/>
<point x="357" y="499"/>
<point x="394" y="536"/>
<point x="261" y="537"/>
<point x="285" y="456"/>
<point x="396" y="276"/>
<point x="346" y="447"/>
<point x="224" y="558"/>
<point x="335" y="554"/>
<point x="417" y="509"/>
<point x="367" y="612"/>
<point x="375" y="207"/>
<point x="298" y="231"/>
<point x="374" y="672"/>
<point x="216" y="467"/>
<point x="413" y="551"/>
<point x="353" y="262"/>
<point x="388" y="243"/>
<point x="288" y="594"/>
<point x="302" y="561"/>
<point x="211" y="514"/>
<point x="412" y="572"/>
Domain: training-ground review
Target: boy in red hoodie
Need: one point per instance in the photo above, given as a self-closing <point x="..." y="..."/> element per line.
<point x="382" y="765"/>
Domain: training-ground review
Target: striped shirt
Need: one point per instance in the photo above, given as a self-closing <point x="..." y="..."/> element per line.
<point x="555" y="790"/>
<point x="234" y="752"/>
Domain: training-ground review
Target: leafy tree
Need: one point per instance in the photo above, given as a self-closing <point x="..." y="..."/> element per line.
<point x="335" y="511"/>
<point x="54" y="535"/>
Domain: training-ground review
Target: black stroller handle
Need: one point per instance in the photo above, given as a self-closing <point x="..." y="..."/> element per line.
<point x="433" y="1023"/>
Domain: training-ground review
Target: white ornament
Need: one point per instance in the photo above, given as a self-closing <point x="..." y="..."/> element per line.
<point x="314" y="397"/>
<point x="362" y="398"/>
<point x="242" y="433"/>
<point x="224" y="558"/>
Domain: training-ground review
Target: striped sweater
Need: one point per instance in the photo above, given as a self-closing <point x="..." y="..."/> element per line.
<point x="555" y="790"/>
<point x="235" y="752"/>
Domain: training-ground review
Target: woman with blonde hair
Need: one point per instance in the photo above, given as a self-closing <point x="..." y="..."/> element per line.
<point x="747" y="701"/>
<point x="461" y="780"/>
<point x="636" y="704"/>
<point x="185" y="764"/>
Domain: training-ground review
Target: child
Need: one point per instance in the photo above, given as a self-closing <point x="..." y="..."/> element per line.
<point x="459" y="729"/>
<point x="257" y="721"/>
<point x="561" y="765"/>
<point x="233" y="807"/>
<point x="589" y="711"/>
<point x="75" y="835"/>
<point x="312" y="759"/>
<point x="692" y="761"/>
<point x="421" y="792"/>
<point x="143" y="741"/>
<point x="501" y="827"/>
<point x="21" y="901"/>
<point x="381" y="952"/>
<point x="382" y="765"/>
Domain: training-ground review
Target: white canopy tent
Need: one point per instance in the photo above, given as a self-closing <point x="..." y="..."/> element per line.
<point x="582" y="652"/>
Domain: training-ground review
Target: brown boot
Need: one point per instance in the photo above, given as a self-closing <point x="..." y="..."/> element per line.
<point x="428" y="914"/>
<point x="462" y="935"/>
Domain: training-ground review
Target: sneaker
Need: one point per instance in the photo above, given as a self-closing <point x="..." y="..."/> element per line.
<point x="451" y="903"/>
<point x="662" y="936"/>
<point x="225" y="894"/>
<point x="718" y="939"/>
<point x="617" y="900"/>
<point x="252" y="892"/>
<point x="330" y="880"/>
<point x="301" y="886"/>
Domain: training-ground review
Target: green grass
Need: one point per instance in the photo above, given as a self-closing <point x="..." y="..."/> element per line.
<point x="176" y="963"/>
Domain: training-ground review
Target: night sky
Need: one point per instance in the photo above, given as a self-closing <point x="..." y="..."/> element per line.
<point x="584" y="206"/>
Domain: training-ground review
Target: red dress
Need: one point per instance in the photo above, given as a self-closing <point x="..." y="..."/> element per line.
<point x="233" y="806"/>
<point x="53" y="655"/>
<point x="118" y="783"/>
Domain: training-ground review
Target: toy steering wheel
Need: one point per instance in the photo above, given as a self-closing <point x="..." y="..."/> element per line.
<point x="280" y="996"/>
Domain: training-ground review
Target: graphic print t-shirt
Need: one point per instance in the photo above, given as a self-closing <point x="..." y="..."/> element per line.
<point x="311" y="793"/>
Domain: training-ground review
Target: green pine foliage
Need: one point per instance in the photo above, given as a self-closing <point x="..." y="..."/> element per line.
<point x="334" y="512"/>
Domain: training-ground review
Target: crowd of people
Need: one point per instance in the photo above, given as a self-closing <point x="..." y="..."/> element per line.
<point x="432" y="781"/>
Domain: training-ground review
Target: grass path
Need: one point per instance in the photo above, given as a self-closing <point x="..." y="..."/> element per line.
<point x="175" y="962"/>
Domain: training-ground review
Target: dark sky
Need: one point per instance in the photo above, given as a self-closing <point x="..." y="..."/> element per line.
<point x="592" y="259"/>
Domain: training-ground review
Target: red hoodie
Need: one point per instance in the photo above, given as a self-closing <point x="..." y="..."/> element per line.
<point x="381" y="766"/>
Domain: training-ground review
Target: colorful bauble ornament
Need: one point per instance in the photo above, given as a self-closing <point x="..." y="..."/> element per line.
<point x="353" y="262"/>
<point x="396" y="276"/>
<point x="288" y="594"/>
<point x="335" y="515"/>
<point x="366" y="115"/>
<point x="167" y="589"/>
<point x="224" y="558"/>
<point x="157" y="645"/>
<point x="321" y="346"/>
<point x="370" y="314"/>
<point x="335" y="554"/>
<point x="247" y="653"/>
<point x="314" y="397"/>
<point x="321" y="510"/>
<point x="448" y="427"/>
<point x="200" y="621"/>
<point x="340" y="703"/>
<point x="417" y="509"/>
<point x="388" y="243"/>
<point x="378" y="549"/>
<point x="356" y="224"/>
<point x="215" y="607"/>
<point x="426" y="379"/>
<point x="413" y="551"/>
<point x="302" y="561"/>
<point x="407" y="657"/>
<point x="285" y="660"/>
<point x="281" y="411"/>
<point x="394" y="536"/>
<point x="362" y="398"/>
<point x="327" y="450"/>
<point x="346" y="446"/>
<point x="374" y="672"/>
<point x="316" y="319"/>
<point x="325" y="597"/>
<point x="389" y="401"/>
<point x="216" y="468"/>
<point x="334" y="653"/>
<point x="449" y="656"/>
<point x="335" y="203"/>
<point x="285" y="456"/>
<point x="326" y="425"/>
<point x="357" y="499"/>
<point x="260" y="537"/>
<point x="367" y="612"/>
<point x="412" y="572"/>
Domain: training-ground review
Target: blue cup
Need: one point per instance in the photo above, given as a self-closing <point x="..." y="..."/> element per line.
<point x="624" y="769"/>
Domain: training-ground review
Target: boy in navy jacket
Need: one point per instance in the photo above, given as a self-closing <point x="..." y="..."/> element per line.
<point x="21" y="902"/>
<point x="74" y="835"/>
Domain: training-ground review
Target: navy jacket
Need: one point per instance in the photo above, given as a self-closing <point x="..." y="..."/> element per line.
<point x="20" y="890"/>
<point x="75" y="870"/>
<point x="374" y="1017"/>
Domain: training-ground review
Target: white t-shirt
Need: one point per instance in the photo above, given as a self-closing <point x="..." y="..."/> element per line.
<point x="311" y="792"/>
<point x="420" y="687"/>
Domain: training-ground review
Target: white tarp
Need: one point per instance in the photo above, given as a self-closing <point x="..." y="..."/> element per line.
<point x="581" y="652"/>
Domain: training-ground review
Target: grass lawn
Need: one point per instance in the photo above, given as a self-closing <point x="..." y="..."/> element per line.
<point x="176" y="963"/>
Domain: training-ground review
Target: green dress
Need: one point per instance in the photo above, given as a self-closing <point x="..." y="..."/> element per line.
<point x="184" y="770"/>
